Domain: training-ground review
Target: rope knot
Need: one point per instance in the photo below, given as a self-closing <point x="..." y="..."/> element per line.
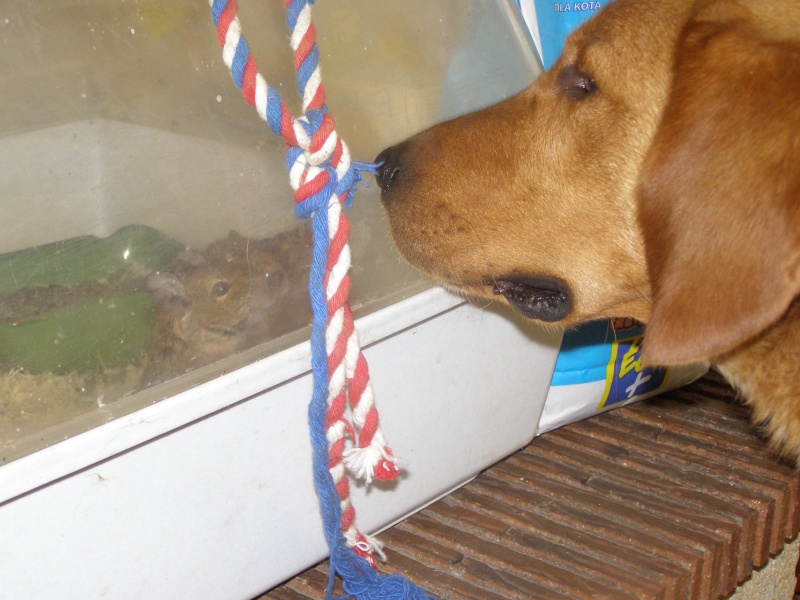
<point x="315" y="132"/>
<point x="316" y="186"/>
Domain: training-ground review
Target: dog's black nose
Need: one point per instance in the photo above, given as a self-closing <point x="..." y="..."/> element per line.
<point x="391" y="164"/>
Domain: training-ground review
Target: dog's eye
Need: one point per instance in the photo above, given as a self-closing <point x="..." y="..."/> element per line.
<point x="575" y="84"/>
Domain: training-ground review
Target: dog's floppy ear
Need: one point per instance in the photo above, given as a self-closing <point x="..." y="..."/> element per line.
<point x="719" y="193"/>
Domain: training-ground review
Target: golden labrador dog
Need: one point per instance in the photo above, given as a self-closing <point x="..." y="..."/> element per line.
<point x="653" y="172"/>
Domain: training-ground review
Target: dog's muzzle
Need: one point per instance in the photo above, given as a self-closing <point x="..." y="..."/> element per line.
<point x="543" y="298"/>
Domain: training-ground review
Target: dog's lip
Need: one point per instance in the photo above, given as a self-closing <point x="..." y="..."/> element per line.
<point x="539" y="297"/>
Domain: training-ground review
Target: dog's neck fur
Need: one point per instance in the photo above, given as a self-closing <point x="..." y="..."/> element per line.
<point x="772" y="389"/>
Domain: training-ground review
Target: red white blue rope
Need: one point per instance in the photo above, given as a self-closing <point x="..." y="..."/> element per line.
<point x="323" y="177"/>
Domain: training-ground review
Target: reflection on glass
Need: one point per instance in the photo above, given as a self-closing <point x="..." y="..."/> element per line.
<point x="149" y="241"/>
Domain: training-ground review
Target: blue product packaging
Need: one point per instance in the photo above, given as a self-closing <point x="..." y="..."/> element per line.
<point x="556" y="21"/>
<point x="551" y="22"/>
<point x="599" y="367"/>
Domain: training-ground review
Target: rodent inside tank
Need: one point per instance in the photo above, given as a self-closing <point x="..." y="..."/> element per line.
<point x="237" y="293"/>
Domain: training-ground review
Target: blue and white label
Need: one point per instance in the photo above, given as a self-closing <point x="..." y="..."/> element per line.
<point x="551" y="22"/>
<point x="600" y="367"/>
<point x="626" y="379"/>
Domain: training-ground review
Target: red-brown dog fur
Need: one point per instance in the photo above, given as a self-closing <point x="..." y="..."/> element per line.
<point x="666" y="188"/>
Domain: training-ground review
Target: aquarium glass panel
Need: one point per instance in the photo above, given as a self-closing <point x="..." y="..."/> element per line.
<point x="149" y="241"/>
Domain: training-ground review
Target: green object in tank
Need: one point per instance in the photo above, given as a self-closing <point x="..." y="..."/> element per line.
<point x="87" y="258"/>
<point x="98" y="334"/>
<point x="78" y="305"/>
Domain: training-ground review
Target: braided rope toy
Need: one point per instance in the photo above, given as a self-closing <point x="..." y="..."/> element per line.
<point x="323" y="177"/>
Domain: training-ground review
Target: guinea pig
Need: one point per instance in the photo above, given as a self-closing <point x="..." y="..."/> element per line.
<point x="236" y="294"/>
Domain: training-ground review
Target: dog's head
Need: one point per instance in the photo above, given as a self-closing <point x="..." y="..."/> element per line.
<point x="652" y="172"/>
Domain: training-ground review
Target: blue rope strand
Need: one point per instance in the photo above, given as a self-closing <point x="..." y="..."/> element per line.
<point x="216" y="10"/>
<point x="317" y="409"/>
<point x="293" y="11"/>
<point x="307" y="68"/>
<point x="239" y="61"/>
<point x="274" y="111"/>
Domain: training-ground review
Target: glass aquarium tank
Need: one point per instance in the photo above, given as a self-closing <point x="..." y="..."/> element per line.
<point x="154" y="314"/>
<point x="149" y="238"/>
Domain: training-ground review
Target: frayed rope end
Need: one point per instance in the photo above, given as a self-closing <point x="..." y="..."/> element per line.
<point x="393" y="587"/>
<point x="354" y="176"/>
<point x="370" y="549"/>
<point x="373" y="461"/>
<point x="362" y="582"/>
